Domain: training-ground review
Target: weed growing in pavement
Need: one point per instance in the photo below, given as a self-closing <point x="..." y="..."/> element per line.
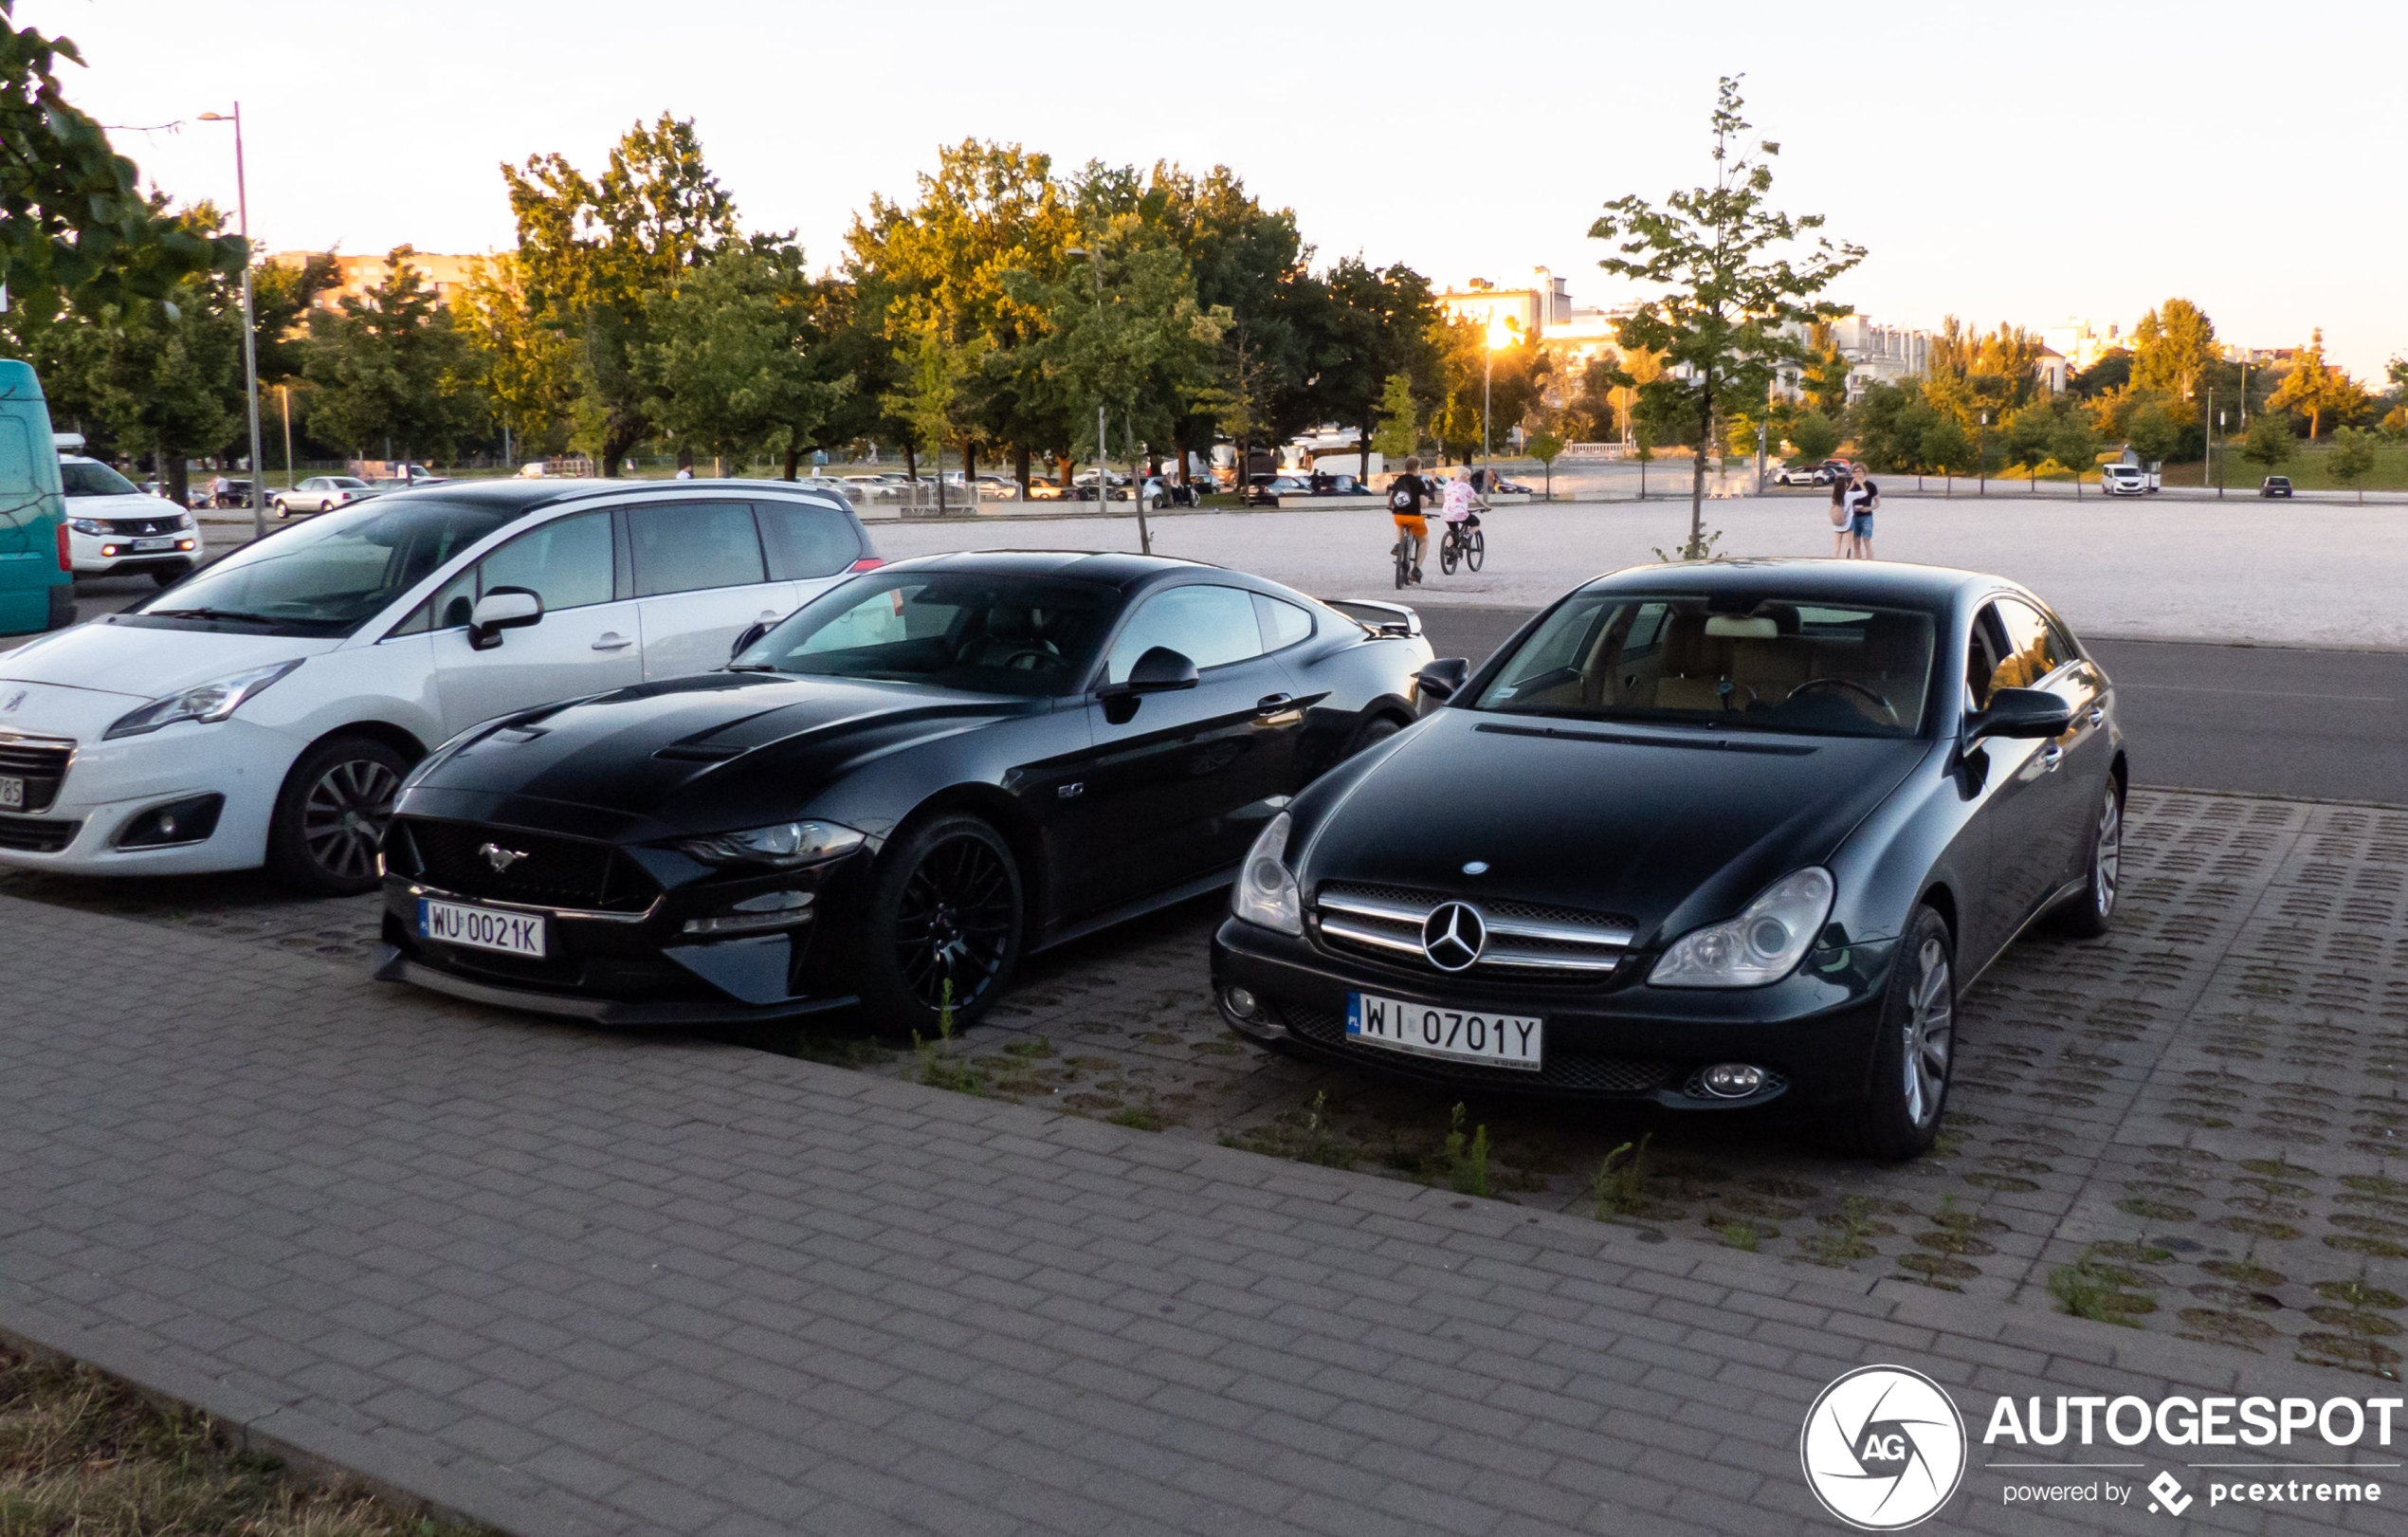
<point x="1308" y="1138"/>
<point x="1619" y="1186"/>
<point x="1140" y="1117"/>
<point x="2094" y="1287"/>
<point x="1739" y="1235"/>
<point x="939" y="1066"/>
<point x="1466" y="1161"/>
<point x="81" y="1453"/>
<point x="1852" y="1228"/>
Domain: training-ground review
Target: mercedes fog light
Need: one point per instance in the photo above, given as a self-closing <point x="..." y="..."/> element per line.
<point x="1733" y="1079"/>
<point x="1240" y="1003"/>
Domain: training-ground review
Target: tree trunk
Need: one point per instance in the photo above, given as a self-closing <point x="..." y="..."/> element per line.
<point x="173" y="478"/>
<point x="685" y="460"/>
<point x="1697" y="474"/>
<point x="1020" y="467"/>
<point x="911" y="464"/>
<point x="794" y="461"/>
<point x="1363" y="449"/>
<point x="970" y="466"/>
<point x="616" y="441"/>
<point x="1062" y="470"/>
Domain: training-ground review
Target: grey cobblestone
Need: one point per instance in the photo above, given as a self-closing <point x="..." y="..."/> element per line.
<point x="571" y="1282"/>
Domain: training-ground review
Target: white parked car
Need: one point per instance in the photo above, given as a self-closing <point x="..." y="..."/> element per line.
<point x="265" y="710"/>
<point x="117" y="529"/>
<point x="2127" y="479"/>
<point x="320" y="493"/>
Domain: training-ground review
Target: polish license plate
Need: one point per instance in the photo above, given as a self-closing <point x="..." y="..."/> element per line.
<point x="1493" y="1040"/>
<point x="480" y="928"/>
<point x="11" y="795"/>
<point x="143" y="547"/>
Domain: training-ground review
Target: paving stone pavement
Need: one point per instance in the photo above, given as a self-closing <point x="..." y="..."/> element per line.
<point x="571" y="1282"/>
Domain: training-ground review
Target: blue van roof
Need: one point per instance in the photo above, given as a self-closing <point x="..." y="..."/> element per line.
<point x="18" y="380"/>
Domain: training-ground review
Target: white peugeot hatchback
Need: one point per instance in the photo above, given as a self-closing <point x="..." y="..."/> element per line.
<point x="264" y="709"/>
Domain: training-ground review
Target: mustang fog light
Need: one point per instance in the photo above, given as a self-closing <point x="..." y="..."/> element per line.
<point x="772" y="909"/>
<point x="1732" y="1080"/>
<point x="179" y="821"/>
<point x="1240" y="1003"/>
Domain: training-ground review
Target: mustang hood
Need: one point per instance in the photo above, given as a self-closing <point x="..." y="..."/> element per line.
<point x="1668" y="828"/>
<point x="658" y="748"/>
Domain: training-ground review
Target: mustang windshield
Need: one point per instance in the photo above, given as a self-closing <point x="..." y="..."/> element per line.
<point x="1815" y="667"/>
<point x="332" y="574"/>
<point x="984" y="633"/>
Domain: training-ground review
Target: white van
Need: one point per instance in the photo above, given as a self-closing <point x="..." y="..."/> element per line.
<point x="265" y="710"/>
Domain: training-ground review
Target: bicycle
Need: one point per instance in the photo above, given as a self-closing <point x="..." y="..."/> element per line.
<point x="1402" y="550"/>
<point x="1462" y="541"/>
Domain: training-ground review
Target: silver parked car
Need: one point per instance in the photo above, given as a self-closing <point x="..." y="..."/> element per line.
<point x="318" y="494"/>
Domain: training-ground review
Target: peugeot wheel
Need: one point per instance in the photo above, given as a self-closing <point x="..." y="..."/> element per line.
<point x="331" y="816"/>
<point x="944" y="927"/>
<point x="2091" y="911"/>
<point x="1914" y="1049"/>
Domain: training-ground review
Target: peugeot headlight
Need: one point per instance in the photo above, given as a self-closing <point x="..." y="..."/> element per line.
<point x="208" y="702"/>
<point x="779" y="846"/>
<point x="1763" y="944"/>
<point x="1266" y="891"/>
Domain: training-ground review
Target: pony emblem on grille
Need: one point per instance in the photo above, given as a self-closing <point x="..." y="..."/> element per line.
<point x="500" y="858"/>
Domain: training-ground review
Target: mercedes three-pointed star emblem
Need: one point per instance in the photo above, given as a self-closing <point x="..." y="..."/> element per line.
<point x="1453" y="934"/>
<point x="500" y="858"/>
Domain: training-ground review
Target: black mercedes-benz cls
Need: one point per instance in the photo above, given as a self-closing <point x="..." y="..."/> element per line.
<point x="1716" y="836"/>
<point x="892" y="795"/>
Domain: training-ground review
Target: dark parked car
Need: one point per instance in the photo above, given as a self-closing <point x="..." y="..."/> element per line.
<point x="2276" y="485"/>
<point x="1710" y="836"/>
<point x="892" y="795"/>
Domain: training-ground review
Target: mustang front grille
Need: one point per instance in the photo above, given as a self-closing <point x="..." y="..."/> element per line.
<point x="536" y="868"/>
<point x="1523" y="939"/>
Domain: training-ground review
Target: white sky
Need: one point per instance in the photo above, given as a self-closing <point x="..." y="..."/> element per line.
<point x="2027" y="162"/>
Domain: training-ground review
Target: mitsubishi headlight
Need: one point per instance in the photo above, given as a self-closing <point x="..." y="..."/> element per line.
<point x="1266" y="891"/>
<point x="208" y="702"/>
<point x="87" y="525"/>
<point x="779" y="846"/>
<point x="1761" y="945"/>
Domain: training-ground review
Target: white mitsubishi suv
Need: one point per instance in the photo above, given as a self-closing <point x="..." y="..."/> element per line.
<point x="117" y="529"/>
<point x="265" y="710"/>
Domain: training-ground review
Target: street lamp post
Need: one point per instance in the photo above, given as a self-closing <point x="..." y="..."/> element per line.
<point x="250" y="332"/>
<point x="1981" y="452"/>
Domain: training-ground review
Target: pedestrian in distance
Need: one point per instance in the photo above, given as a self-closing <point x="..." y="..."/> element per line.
<point x="1864" y="499"/>
<point x="1839" y="488"/>
<point x="1405" y="497"/>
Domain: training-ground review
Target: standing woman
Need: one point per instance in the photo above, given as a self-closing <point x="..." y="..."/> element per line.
<point x="1841" y="516"/>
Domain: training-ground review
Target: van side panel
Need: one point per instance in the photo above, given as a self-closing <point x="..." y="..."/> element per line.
<point x="37" y="592"/>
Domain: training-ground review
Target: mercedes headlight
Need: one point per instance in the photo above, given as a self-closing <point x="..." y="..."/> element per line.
<point x="1266" y="891"/>
<point x="779" y="846"/>
<point x="1761" y="945"/>
<point x="208" y="702"/>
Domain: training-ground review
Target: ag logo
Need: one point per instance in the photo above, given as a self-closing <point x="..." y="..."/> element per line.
<point x="1883" y="1448"/>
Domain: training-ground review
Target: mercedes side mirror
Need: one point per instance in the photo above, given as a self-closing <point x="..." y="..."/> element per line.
<point x="505" y="607"/>
<point x="744" y="642"/>
<point x="1444" y="679"/>
<point x="2020" y="712"/>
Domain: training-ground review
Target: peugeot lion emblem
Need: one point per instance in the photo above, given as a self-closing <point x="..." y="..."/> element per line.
<point x="1453" y="934"/>
<point x="500" y="858"/>
<point x="15" y="699"/>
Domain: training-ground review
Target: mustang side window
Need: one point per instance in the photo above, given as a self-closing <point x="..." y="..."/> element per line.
<point x="1210" y="626"/>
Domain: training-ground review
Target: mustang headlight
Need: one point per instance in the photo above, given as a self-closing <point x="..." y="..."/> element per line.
<point x="780" y="846"/>
<point x="1266" y="891"/>
<point x="1761" y="945"/>
<point x="208" y="702"/>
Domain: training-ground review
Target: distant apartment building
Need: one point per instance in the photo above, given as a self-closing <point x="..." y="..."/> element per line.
<point x="2081" y="343"/>
<point x="1540" y="309"/>
<point x="363" y="274"/>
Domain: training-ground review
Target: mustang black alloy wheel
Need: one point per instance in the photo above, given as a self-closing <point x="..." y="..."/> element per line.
<point x="331" y="815"/>
<point x="1914" y="1049"/>
<point x="944" y="906"/>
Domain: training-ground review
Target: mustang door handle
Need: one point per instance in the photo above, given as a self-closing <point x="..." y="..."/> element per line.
<point x="1269" y="702"/>
<point x="2053" y="756"/>
<point x="612" y="641"/>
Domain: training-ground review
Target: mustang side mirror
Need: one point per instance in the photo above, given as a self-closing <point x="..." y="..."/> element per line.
<point x="744" y="642"/>
<point x="2020" y="712"/>
<point x="1444" y="679"/>
<point x="505" y="607"/>
<point x="1160" y="670"/>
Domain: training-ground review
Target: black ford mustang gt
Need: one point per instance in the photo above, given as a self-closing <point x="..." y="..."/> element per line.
<point x="892" y="795"/>
<point x="1715" y="836"/>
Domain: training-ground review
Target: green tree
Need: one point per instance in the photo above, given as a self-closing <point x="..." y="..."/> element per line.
<point x="2316" y="389"/>
<point x="592" y="253"/>
<point x="729" y="363"/>
<point x="2173" y="349"/>
<point x="1544" y="446"/>
<point x="2352" y="458"/>
<point x="1888" y="422"/>
<point x="72" y="214"/>
<point x="2270" y="440"/>
<point x="1727" y="305"/>
<point x="1375" y="328"/>
<point x="1398" y="433"/>
<point x="2155" y="434"/>
<point x="2074" y="443"/>
<point x="1813" y="436"/>
<point x="1945" y="447"/>
<point x="281" y="296"/>
<point x="528" y="368"/>
<point x="934" y="369"/>
<point x="391" y="371"/>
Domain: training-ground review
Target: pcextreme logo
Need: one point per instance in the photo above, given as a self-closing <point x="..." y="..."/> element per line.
<point x="1883" y="1448"/>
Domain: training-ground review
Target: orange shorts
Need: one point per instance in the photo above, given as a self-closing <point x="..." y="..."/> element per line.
<point x="1417" y="526"/>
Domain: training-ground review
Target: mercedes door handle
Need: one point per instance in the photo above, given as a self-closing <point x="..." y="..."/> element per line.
<point x="1272" y="703"/>
<point x="612" y="641"/>
<point x="2098" y="713"/>
<point x="2052" y="758"/>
